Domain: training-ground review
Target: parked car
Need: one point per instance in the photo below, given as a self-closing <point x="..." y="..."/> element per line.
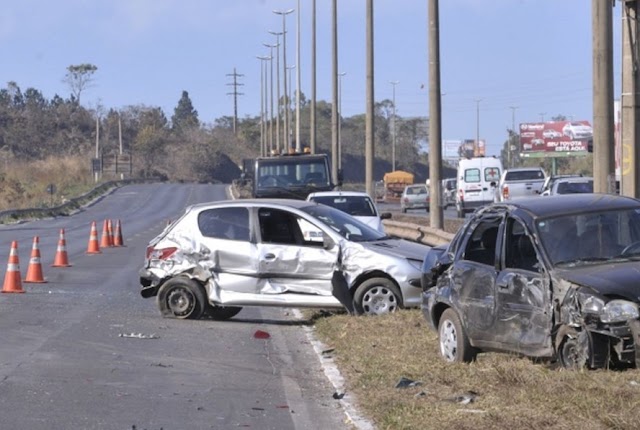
<point x="554" y="278"/>
<point x="449" y="189"/>
<point x="355" y="203"/>
<point x="569" y="185"/>
<point x="414" y="197"/>
<point x="577" y="130"/>
<point x="221" y="256"/>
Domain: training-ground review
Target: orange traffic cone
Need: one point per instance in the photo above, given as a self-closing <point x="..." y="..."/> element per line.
<point x="117" y="238"/>
<point x="94" y="246"/>
<point x="110" y="230"/>
<point x="12" y="282"/>
<point x="34" y="271"/>
<point x="105" y="242"/>
<point x="61" y="259"/>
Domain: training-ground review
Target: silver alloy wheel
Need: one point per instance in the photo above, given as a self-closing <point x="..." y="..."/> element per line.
<point x="378" y="301"/>
<point x="448" y="340"/>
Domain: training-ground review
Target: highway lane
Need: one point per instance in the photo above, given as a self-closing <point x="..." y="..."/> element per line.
<point x="67" y="360"/>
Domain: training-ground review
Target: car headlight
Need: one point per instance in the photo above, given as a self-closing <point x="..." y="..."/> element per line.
<point x="619" y="311"/>
<point x="592" y="305"/>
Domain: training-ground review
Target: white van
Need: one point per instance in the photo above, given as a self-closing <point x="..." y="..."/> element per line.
<point x="478" y="180"/>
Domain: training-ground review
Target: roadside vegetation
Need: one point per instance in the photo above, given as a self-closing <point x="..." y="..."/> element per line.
<point x="498" y="391"/>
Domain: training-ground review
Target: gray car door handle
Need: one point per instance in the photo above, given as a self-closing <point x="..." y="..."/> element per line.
<point x="270" y="256"/>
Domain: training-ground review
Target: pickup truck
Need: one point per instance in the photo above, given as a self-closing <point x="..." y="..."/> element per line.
<point x="520" y="182"/>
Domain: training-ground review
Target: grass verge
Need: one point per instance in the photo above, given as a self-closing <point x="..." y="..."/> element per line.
<point x="499" y="391"/>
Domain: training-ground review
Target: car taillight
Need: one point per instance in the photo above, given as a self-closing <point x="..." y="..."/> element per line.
<point x="160" y="254"/>
<point x="406" y="199"/>
<point x="505" y="192"/>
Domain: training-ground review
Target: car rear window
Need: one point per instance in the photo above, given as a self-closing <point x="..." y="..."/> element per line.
<point x="524" y="175"/>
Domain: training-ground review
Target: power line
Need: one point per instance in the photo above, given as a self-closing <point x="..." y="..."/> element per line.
<point x="235" y="95"/>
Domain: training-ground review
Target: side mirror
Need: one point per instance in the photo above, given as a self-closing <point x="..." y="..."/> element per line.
<point x="327" y="242"/>
<point x="385" y="215"/>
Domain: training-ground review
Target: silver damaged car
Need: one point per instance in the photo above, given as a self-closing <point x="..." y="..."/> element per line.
<point x="219" y="257"/>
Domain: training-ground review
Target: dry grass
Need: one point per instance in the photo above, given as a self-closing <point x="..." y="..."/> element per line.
<point x="24" y="185"/>
<point x="373" y="353"/>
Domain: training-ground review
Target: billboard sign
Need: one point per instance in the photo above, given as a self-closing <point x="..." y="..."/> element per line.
<point x="470" y="148"/>
<point x="553" y="137"/>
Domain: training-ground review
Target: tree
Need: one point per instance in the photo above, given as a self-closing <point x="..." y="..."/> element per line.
<point x="184" y="115"/>
<point x="78" y="78"/>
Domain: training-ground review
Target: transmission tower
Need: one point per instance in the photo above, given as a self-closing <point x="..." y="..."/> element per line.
<point x="235" y="84"/>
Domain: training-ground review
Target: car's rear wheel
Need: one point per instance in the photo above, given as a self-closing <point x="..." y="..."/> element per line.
<point x="377" y="296"/>
<point x="454" y="343"/>
<point x="181" y="298"/>
<point x="221" y="313"/>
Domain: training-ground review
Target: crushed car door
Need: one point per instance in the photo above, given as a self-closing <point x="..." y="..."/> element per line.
<point x="523" y="300"/>
<point x="292" y="256"/>
<point x="473" y="278"/>
<point x="233" y="255"/>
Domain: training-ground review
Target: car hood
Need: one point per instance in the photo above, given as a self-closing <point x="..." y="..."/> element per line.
<point x="614" y="279"/>
<point x="398" y="247"/>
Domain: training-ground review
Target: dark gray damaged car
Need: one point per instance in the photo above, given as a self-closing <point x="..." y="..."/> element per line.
<point x="555" y="278"/>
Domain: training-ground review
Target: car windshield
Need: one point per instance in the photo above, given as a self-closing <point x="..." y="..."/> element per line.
<point x="353" y="205"/>
<point x="344" y="224"/>
<point x="590" y="237"/>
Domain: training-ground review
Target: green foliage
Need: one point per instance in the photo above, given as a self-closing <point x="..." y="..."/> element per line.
<point x="78" y="78"/>
<point x="184" y="117"/>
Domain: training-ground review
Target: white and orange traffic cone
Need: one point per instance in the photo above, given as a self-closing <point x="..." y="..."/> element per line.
<point x="61" y="259"/>
<point x="34" y="271"/>
<point x="12" y="282"/>
<point x="104" y="241"/>
<point x="94" y="246"/>
<point x="117" y="238"/>
<point x="110" y="230"/>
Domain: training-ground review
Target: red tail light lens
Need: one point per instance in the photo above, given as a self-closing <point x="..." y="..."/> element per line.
<point x="160" y="254"/>
<point x="505" y="192"/>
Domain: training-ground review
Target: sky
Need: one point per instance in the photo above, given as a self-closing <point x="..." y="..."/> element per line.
<point x="502" y="62"/>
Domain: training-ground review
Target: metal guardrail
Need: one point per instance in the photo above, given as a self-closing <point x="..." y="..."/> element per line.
<point x="417" y="233"/>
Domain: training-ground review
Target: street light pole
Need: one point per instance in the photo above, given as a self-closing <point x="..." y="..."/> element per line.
<point x="284" y="14"/>
<point x="312" y="121"/>
<point x="277" y="34"/>
<point x="271" y="97"/>
<point x="340" y="75"/>
<point x="334" y="91"/>
<point x="477" y="145"/>
<point x="262" y="126"/>
<point x="298" y="143"/>
<point x="290" y="96"/>
<point x="393" y="122"/>
<point x="513" y="133"/>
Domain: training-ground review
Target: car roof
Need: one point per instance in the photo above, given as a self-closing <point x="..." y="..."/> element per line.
<point x="338" y="193"/>
<point x="573" y="179"/>
<point x="523" y="169"/>
<point x="291" y="203"/>
<point x="565" y="204"/>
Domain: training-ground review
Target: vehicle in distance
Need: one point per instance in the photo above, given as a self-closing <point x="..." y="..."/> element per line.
<point x="577" y="130"/>
<point x="355" y="203"/>
<point x="520" y="182"/>
<point x="221" y="256"/>
<point x="553" y="278"/>
<point x="569" y="185"/>
<point x="290" y="176"/>
<point x="449" y="188"/>
<point x="414" y="197"/>
<point x="477" y="183"/>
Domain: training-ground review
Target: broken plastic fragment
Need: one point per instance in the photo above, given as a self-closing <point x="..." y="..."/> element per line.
<point x="406" y="383"/>
<point x="139" y="335"/>
<point x="338" y="395"/>
<point x="259" y="334"/>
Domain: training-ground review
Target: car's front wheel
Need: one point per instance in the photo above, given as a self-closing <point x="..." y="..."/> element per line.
<point x="377" y="296"/>
<point x="454" y="343"/>
<point x="181" y="298"/>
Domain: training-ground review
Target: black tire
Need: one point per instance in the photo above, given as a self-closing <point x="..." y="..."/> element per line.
<point x="453" y="341"/>
<point x="377" y="296"/>
<point x="222" y="313"/>
<point x="570" y="354"/>
<point x="181" y="298"/>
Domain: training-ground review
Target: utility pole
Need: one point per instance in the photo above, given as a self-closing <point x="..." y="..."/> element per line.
<point x="542" y="114"/>
<point x="477" y="145"/>
<point x="263" y="135"/>
<point x="630" y="101"/>
<point x="284" y="14"/>
<point x="298" y="83"/>
<point x="270" y="115"/>
<point x="340" y="75"/>
<point x="393" y="125"/>
<point x="275" y="33"/>
<point x="513" y="134"/>
<point x="312" y="121"/>
<point x="436" y="215"/>
<point x="334" y="99"/>
<point x="370" y="101"/>
<point x="603" y="157"/>
<point x="235" y="95"/>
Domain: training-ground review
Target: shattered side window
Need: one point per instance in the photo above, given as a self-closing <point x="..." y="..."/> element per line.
<point x="225" y="223"/>
<point x="481" y="245"/>
<point x="519" y="250"/>
<point x="277" y="226"/>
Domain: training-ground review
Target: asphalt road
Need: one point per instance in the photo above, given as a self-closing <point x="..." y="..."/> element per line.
<point x="85" y="351"/>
